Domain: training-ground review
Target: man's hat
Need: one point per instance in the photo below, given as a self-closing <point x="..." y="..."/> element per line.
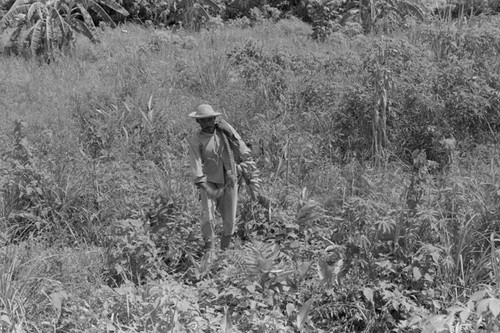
<point x="204" y="111"/>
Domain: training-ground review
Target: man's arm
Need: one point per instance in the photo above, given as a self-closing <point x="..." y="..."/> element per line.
<point x="212" y="193"/>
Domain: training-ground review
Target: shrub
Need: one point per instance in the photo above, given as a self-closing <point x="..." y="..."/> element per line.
<point x="323" y="15"/>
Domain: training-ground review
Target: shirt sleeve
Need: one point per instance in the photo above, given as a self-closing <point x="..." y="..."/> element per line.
<point x="196" y="162"/>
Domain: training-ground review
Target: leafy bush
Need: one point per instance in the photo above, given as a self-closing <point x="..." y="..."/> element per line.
<point x="161" y="305"/>
<point x="323" y="15"/>
<point x="266" y="73"/>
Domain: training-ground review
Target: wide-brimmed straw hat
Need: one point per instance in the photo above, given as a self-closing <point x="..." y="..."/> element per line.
<point x="204" y="111"/>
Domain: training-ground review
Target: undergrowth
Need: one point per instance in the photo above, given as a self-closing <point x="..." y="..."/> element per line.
<point x="99" y="223"/>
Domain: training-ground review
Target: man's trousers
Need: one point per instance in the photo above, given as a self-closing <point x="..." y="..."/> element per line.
<point x="226" y="206"/>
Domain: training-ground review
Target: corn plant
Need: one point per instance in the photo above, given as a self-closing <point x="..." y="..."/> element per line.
<point x="382" y="81"/>
<point x="48" y="27"/>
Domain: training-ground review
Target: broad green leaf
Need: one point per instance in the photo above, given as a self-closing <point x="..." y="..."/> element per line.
<point x="303" y="313"/>
<point x="324" y="271"/>
<point x="115" y="6"/>
<point x="494" y="306"/>
<point x="12" y="14"/>
<point x="35" y="7"/>
<point x="436" y="324"/>
<point x="368" y="293"/>
<point x="89" y="22"/>
<point x="29" y="33"/>
<point x="63" y="8"/>
<point x="464" y="315"/>
<point x="290" y="308"/>
<point x="36" y="38"/>
<point x="63" y="25"/>
<point x="19" y="3"/>
<point x="416" y="273"/>
<point x="57" y="299"/>
<point x="15" y="34"/>
<point x="482" y="306"/>
<point x="86" y="16"/>
<point x="478" y="295"/>
<point x="455" y="308"/>
<point x="98" y="9"/>
<point x="4" y="319"/>
<point x="283" y="275"/>
<point x="304" y="268"/>
<point x="85" y="30"/>
<point x="49" y="32"/>
<point x="150" y="105"/>
<point x="226" y="324"/>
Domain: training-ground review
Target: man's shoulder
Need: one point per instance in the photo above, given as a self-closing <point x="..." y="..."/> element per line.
<point x="195" y="137"/>
<point x="227" y="128"/>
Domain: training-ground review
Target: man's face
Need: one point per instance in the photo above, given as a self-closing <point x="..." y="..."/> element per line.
<point x="207" y="124"/>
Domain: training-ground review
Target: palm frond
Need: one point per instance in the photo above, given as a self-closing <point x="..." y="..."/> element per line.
<point x="211" y="4"/>
<point x="36" y="38"/>
<point x="63" y="8"/>
<point x="201" y="11"/>
<point x="29" y="32"/>
<point x="116" y="7"/>
<point x="20" y="3"/>
<point x="89" y="23"/>
<point x="49" y="31"/>
<point x="85" y="14"/>
<point x="391" y="13"/>
<point x="84" y="29"/>
<point x="413" y="9"/>
<point x="16" y="33"/>
<point x="98" y="9"/>
<point x="347" y="16"/>
<point x="260" y="257"/>
<point x="12" y="15"/>
<point x="34" y="8"/>
<point x="61" y="22"/>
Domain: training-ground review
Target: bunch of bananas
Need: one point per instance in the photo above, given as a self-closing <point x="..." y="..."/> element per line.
<point x="250" y="174"/>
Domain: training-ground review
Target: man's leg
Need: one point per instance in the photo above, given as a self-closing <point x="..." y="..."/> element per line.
<point x="227" y="208"/>
<point x="207" y="218"/>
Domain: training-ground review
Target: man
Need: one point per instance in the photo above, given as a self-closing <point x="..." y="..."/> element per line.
<point x="214" y="151"/>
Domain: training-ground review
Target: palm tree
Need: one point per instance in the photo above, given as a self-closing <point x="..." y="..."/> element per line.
<point x="49" y="26"/>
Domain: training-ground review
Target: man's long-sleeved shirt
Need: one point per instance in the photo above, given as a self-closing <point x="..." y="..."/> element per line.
<point x="209" y="157"/>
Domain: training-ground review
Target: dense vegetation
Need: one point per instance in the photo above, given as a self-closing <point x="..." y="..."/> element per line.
<point x="378" y="152"/>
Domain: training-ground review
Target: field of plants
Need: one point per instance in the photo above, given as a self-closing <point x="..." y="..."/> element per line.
<point x="379" y="156"/>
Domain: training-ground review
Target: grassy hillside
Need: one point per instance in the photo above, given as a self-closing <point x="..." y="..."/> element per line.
<point x="99" y="225"/>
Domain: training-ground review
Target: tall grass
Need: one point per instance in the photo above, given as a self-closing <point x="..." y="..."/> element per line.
<point x="108" y="129"/>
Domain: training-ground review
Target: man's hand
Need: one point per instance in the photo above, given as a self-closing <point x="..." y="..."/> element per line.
<point x="231" y="179"/>
<point x="212" y="193"/>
